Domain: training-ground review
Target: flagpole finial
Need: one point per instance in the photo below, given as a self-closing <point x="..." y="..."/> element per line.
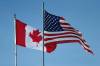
<point x="15" y="16"/>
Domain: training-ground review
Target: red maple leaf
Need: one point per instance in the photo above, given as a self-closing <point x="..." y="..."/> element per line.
<point x="35" y="36"/>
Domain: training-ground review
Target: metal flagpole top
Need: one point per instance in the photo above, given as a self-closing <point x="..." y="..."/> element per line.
<point x="15" y="16"/>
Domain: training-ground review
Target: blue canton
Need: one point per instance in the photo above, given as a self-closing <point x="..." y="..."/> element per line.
<point x="51" y="22"/>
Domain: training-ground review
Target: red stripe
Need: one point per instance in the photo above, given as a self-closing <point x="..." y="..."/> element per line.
<point x="65" y="24"/>
<point x="70" y="32"/>
<point x="73" y="36"/>
<point x="20" y="33"/>
<point x="66" y="29"/>
<point x="89" y="50"/>
<point x="69" y="29"/>
<point x="64" y="41"/>
<point x="86" y="47"/>
<point x="62" y="18"/>
<point x="47" y="39"/>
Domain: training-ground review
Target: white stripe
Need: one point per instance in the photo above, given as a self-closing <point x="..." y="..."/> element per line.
<point x="63" y="21"/>
<point x="77" y="32"/>
<point x="65" y="25"/>
<point x="84" y="46"/>
<point x="28" y="40"/>
<point x="65" y="38"/>
<point x="60" y="39"/>
<point x="62" y="35"/>
<point x="46" y="32"/>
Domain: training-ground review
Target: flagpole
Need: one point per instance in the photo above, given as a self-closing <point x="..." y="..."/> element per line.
<point x="43" y="36"/>
<point x="15" y="39"/>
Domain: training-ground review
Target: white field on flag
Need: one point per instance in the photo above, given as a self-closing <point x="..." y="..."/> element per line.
<point x="38" y="45"/>
<point x="29" y="37"/>
<point x="30" y="43"/>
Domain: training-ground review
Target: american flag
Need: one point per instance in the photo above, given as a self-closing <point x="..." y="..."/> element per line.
<point x="58" y="31"/>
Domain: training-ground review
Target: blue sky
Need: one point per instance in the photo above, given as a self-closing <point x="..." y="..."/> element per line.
<point x="82" y="14"/>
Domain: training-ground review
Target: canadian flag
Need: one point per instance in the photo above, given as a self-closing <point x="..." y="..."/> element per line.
<point x="29" y="37"/>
